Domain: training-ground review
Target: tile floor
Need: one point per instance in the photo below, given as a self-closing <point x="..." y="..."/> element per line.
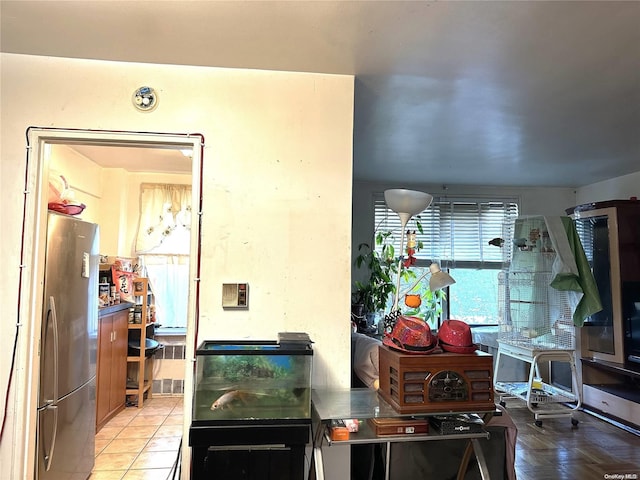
<point x="140" y="444"/>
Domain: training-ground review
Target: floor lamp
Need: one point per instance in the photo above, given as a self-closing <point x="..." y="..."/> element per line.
<point x="407" y="203"/>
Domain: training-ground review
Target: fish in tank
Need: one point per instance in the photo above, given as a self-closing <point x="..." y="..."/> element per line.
<point x="252" y="381"/>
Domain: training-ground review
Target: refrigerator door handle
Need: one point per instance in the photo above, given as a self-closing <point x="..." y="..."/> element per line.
<point x="54" y="321"/>
<point x="48" y="458"/>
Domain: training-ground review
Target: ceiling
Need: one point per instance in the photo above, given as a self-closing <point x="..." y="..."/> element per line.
<point x="138" y="159"/>
<point x="522" y="93"/>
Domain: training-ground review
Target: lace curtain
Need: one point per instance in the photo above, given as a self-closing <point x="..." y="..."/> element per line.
<point x="165" y="219"/>
<point x="162" y="244"/>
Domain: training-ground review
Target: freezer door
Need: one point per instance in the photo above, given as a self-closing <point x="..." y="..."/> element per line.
<point x="65" y="437"/>
<point x="70" y="307"/>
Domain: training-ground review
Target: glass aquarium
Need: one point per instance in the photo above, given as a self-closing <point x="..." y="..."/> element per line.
<point x="252" y="381"/>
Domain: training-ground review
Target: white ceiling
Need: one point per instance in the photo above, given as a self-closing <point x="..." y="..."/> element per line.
<point x="137" y="159"/>
<point x="453" y="92"/>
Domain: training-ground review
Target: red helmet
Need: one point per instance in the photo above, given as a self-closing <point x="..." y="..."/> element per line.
<point x="411" y="335"/>
<point x="455" y="336"/>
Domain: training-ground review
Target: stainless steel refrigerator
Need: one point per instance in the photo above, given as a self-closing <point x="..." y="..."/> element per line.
<point x="65" y="436"/>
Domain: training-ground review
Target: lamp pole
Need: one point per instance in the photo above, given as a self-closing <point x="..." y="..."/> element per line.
<point x="404" y="219"/>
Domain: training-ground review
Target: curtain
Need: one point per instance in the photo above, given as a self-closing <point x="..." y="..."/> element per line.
<point x="169" y="279"/>
<point x="165" y="219"/>
<point x="162" y="243"/>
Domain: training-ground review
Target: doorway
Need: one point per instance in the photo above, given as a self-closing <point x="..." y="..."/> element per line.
<point x="153" y="154"/>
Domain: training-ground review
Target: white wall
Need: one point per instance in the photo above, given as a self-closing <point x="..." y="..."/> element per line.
<point x="83" y="177"/>
<point x="276" y="190"/>
<point x="620" y="188"/>
<point x="111" y="196"/>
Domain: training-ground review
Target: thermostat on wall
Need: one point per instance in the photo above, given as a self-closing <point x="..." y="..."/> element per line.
<point x="235" y="295"/>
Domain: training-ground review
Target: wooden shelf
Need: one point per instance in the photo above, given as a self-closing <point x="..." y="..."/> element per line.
<point x="140" y="362"/>
<point x="628" y="369"/>
<point x="139" y="326"/>
<point x="135" y="391"/>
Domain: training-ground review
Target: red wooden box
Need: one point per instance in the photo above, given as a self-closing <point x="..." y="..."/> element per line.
<point x="436" y="383"/>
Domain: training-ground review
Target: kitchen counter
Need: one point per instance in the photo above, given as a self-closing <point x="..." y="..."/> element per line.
<point x="115" y="308"/>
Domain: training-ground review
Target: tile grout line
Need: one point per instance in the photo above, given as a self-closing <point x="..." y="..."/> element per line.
<point x="147" y="442"/>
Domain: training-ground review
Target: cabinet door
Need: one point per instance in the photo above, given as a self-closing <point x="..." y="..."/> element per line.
<point x="602" y="335"/>
<point x="103" y="380"/>
<point x="119" y="359"/>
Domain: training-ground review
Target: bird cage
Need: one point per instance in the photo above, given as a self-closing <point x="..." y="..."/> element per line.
<point x="532" y="312"/>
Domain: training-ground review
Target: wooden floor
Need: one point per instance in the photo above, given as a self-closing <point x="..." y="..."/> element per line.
<point x="592" y="450"/>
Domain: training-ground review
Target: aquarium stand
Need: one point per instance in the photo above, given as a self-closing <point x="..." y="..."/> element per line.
<point x="267" y="451"/>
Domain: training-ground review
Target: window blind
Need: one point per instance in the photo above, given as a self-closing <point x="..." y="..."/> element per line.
<point x="586" y="228"/>
<point x="455" y="231"/>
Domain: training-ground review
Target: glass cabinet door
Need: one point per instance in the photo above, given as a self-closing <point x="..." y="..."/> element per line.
<point x="602" y="331"/>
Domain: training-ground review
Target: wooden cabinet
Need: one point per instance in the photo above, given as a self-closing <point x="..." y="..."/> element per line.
<point x="612" y="389"/>
<point x="112" y="365"/>
<point x="609" y="341"/>
<point x="140" y="361"/>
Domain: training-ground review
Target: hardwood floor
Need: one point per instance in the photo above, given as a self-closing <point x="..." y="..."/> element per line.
<point x="592" y="450"/>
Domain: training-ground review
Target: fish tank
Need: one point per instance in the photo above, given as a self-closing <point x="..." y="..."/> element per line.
<point x="253" y="382"/>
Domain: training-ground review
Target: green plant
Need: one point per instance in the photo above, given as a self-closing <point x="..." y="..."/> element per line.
<point x="382" y="267"/>
<point x="375" y="294"/>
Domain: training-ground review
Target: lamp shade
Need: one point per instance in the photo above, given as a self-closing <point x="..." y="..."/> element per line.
<point x="439" y="279"/>
<point x="410" y="202"/>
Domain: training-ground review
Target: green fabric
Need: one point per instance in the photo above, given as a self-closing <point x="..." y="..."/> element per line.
<point x="583" y="282"/>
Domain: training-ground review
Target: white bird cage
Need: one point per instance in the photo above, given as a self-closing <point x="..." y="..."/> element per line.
<point x="532" y="312"/>
<point x="536" y="322"/>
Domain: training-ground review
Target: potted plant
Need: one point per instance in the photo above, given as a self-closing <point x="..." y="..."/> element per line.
<point x="371" y="295"/>
<point x="375" y="293"/>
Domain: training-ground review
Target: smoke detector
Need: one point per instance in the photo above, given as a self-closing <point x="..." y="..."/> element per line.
<point x="145" y="99"/>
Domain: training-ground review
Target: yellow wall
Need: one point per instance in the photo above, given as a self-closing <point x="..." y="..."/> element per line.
<point x="276" y="190"/>
<point x="111" y="196"/>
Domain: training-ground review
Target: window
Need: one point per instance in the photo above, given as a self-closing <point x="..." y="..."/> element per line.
<point x="461" y="235"/>
<point x="163" y="246"/>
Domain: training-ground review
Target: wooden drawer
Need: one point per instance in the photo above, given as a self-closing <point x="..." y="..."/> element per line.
<point x="611" y="404"/>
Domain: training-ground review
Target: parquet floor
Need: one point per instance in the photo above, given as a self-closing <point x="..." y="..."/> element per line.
<point x="593" y="450"/>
